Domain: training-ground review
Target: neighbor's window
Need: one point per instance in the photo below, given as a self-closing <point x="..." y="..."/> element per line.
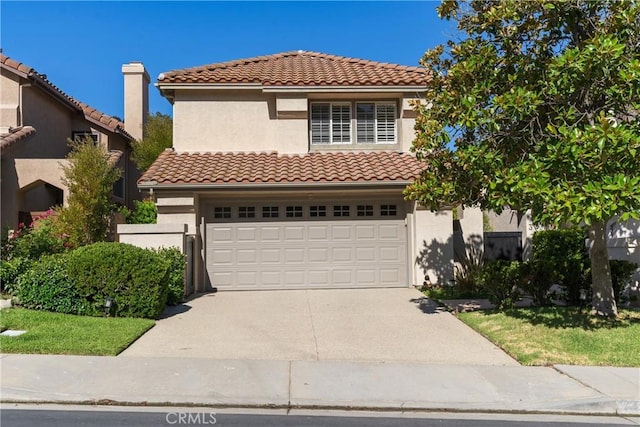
<point x="80" y="135"/>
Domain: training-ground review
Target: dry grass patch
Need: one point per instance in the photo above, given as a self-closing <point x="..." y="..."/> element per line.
<point x="561" y="335"/>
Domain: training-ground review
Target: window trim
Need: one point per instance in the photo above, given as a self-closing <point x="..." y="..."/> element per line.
<point x="353" y="124"/>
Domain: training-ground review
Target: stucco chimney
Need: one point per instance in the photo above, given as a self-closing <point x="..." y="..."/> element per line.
<point x="136" y="98"/>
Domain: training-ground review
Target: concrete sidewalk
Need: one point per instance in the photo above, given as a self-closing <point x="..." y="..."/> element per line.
<point x="319" y="384"/>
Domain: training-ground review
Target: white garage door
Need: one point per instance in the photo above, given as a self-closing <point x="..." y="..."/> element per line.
<point x="305" y="246"/>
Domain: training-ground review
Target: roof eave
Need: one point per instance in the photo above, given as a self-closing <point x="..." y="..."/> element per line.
<point x="147" y="185"/>
<point x="166" y="87"/>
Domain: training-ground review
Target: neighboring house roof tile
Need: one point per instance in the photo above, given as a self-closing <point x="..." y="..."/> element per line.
<point x="15" y="135"/>
<point x="262" y="168"/>
<point x="301" y="68"/>
<point x="114" y="157"/>
<point x="91" y="114"/>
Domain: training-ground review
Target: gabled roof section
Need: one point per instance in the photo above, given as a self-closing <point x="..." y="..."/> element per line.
<point x="90" y="114"/>
<point x="299" y="68"/>
<point x="15" y="135"/>
<point x="247" y="169"/>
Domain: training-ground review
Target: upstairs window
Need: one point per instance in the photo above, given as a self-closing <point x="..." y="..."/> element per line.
<point x="334" y="123"/>
<point x="330" y="123"/>
<point x="79" y="136"/>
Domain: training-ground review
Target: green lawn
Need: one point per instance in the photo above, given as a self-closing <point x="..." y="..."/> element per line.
<point x="55" y="333"/>
<point x="561" y="335"/>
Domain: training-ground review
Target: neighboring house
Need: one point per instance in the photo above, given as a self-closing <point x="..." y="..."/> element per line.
<point x="288" y="171"/>
<point x="36" y="121"/>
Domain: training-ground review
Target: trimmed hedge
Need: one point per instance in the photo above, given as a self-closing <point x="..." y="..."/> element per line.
<point x="175" y="279"/>
<point x="80" y="281"/>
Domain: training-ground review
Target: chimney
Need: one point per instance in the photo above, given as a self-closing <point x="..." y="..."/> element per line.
<point x="136" y="98"/>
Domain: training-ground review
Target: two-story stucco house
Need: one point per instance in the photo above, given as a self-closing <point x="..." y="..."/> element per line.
<point x="36" y="121"/>
<point x="288" y="171"/>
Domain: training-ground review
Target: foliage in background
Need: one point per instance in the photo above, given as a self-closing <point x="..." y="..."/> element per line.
<point x="158" y="135"/>
<point x="468" y="270"/>
<point x="89" y="177"/>
<point x="80" y="281"/>
<point x="564" y="253"/>
<point x="621" y="272"/>
<point x="144" y="212"/>
<point x="537" y="279"/>
<point x="536" y="108"/>
<point x="175" y="278"/>
<point x="502" y="280"/>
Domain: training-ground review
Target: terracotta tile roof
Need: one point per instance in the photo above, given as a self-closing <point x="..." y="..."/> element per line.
<point x="15" y="135"/>
<point x="91" y="114"/>
<point x="301" y="68"/>
<point x="263" y="168"/>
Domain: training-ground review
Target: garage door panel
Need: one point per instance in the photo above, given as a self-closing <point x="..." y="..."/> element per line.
<point x="306" y="254"/>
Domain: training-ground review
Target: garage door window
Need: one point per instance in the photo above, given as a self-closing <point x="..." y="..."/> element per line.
<point x="294" y="212"/>
<point x="341" y="210"/>
<point x="247" y="212"/>
<point x="222" y="212"/>
<point x="270" y="212"/>
<point x="388" y="210"/>
<point x="365" y="210"/>
<point x="317" y="211"/>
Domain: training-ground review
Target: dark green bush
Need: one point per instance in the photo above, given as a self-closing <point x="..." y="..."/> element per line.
<point x="536" y="280"/>
<point x="175" y="277"/>
<point x="10" y="271"/>
<point x="47" y="286"/>
<point x="621" y="272"/>
<point x="564" y="252"/>
<point x="80" y="281"/>
<point x="502" y="281"/>
<point x="134" y="277"/>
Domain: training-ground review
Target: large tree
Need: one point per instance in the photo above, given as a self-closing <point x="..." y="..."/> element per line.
<point x="158" y="135"/>
<point x="536" y="107"/>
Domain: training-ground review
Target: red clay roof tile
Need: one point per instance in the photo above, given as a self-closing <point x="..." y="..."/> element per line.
<point x="301" y="68"/>
<point x="15" y="135"/>
<point x="90" y="113"/>
<point x="262" y="168"/>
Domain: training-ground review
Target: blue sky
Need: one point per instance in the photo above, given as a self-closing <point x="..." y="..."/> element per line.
<point x="81" y="46"/>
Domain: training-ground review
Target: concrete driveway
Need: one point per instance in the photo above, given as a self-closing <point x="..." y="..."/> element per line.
<point x="391" y="325"/>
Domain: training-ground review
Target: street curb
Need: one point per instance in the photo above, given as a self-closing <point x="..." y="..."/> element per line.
<point x="622" y="407"/>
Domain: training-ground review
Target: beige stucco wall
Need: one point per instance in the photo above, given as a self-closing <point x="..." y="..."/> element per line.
<point x="432" y="246"/>
<point x="251" y="120"/>
<point x="37" y="158"/>
<point x="153" y="236"/>
<point x="9" y="101"/>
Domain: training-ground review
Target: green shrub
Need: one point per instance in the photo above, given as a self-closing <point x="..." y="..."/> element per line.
<point x="134" y="277"/>
<point x="565" y="253"/>
<point x="502" y="280"/>
<point x="10" y="271"/>
<point x="42" y="237"/>
<point x="536" y="280"/>
<point x="144" y="212"/>
<point x="621" y="272"/>
<point x="80" y="281"/>
<point x="468" y="270"/>
<point x="175" y="277"/>
<point x="47" y="286"/>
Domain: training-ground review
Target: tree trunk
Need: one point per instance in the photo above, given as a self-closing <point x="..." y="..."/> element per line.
<point x="604" y="302"/>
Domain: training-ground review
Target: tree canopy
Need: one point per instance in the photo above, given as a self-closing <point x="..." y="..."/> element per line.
<point x="158" y="135"/>
<point x="536" y="107"/>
